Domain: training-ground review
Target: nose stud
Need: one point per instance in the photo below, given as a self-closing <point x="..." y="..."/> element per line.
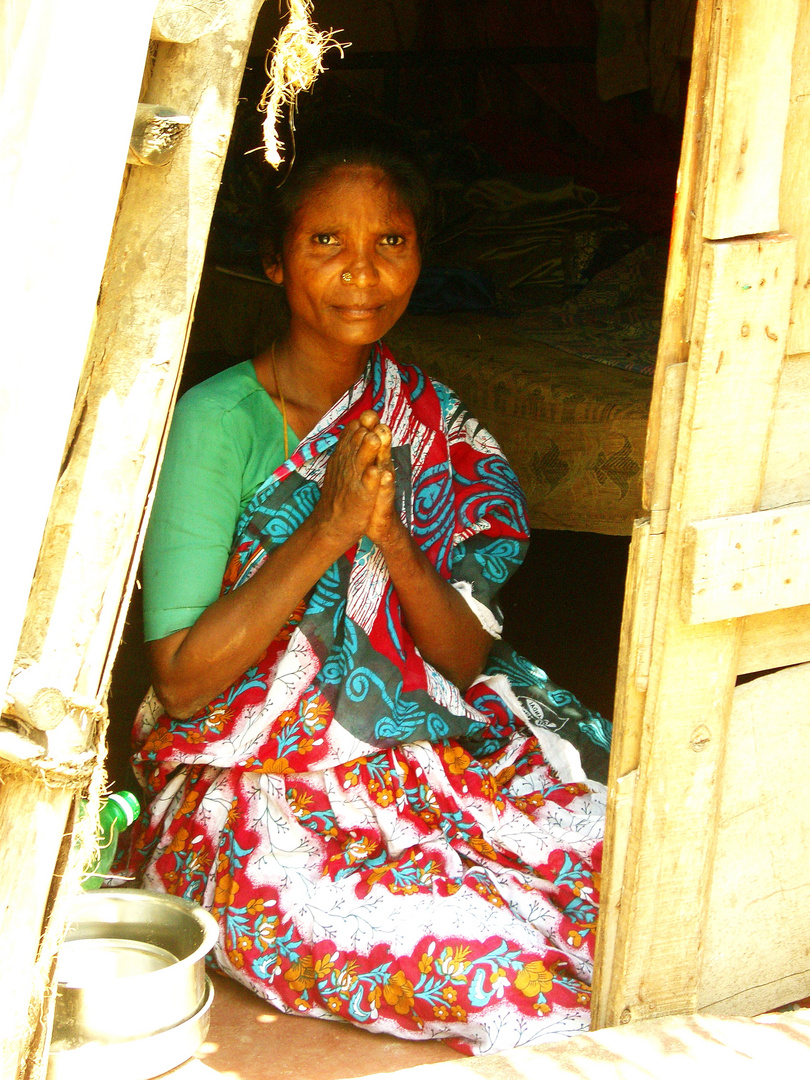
<point x="346" y="276"/>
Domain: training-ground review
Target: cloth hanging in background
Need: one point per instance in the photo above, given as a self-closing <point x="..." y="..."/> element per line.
<point x="538" y="232"/>
<point x="672" y="29"/>
<point x="621" y="50"/>
<point x="636" y="50"/>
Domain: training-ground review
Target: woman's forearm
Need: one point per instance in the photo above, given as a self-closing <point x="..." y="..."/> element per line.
<point x="190" y="667"/>
<point x="445" y="630"/>
<point x="193" y="666"/>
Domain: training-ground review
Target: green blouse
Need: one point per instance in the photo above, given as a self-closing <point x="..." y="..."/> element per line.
<point x="226" y="438"/>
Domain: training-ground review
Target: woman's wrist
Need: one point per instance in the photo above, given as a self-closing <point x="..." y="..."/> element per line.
<point x="395" y="542"/>
<point x="329" y="532"/>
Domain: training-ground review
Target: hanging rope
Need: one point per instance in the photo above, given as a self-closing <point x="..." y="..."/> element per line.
<point x="295" y="64"/>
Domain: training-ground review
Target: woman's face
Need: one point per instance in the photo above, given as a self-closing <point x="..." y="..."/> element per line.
<point x="350" y="259"/>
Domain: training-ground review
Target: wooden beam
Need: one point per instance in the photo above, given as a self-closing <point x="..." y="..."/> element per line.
<point x="32" y="821"/>
<point x="55" y="238"/>
<point x="145" y="311"/>
<point x="750" y="109"/>
<point x="745" y="564"/>
<point x="685" y="242"/>
<point x="787" y="475"/>
<point x="794" y="206"/>
<point x="775" y="639"/>
<point x="733" y="365"/>
<point x="760" y="894"/>
<point x="184" y="21"/>
<point x="671" y="400"/>
<point x="78" y="600"/>
<point x="624" y="757"/>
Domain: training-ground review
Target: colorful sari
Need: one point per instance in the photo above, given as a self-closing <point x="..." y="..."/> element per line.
<point x="377" y="846"/>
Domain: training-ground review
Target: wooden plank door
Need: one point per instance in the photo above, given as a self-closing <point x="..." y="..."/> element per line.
<point x="707" y="874"/>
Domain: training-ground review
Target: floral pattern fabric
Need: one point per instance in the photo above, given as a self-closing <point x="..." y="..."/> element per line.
<point x="377" y="846"/>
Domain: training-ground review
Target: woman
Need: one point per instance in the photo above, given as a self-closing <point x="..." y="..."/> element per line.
<point x="337" y="747"/>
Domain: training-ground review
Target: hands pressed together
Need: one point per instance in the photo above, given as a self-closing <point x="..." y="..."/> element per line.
<point x="358" y="495"/>
<point x="357" y="498"/>
<point x="191" y="666"/>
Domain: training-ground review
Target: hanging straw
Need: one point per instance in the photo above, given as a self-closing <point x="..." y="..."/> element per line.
<point x="297" y="60"/>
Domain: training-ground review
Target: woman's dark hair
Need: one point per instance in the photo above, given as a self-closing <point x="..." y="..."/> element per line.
<point x="347" y="137"/>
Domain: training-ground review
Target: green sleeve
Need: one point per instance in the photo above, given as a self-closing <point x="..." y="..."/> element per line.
<point x="196" y="507"/>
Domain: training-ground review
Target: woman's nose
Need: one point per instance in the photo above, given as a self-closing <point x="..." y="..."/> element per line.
<point x="361" y="266"/>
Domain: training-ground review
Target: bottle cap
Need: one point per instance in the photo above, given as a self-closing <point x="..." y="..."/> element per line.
<point x="127" y="803"/>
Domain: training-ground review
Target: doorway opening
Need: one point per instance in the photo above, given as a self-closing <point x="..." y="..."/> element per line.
<point x="538" y="299"/>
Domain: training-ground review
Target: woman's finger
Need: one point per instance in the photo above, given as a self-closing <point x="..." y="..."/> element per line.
<point x="371" y="478"/>
<point x="369" y="419"/>
<point x="383" y="432"/>
<point x="368" y="447"/>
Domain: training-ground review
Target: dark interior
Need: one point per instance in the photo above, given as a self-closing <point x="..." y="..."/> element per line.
<point x="529" y="92"/>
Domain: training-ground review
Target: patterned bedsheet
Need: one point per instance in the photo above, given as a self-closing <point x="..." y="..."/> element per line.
<point x="573" y="430"/>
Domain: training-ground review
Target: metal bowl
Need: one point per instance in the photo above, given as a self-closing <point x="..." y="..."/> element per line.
<point x="132" y="965"/>
<point x="133" y="1059"/>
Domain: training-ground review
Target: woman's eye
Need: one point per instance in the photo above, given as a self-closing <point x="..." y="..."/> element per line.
<point x="393" y="240"/>
<point x="325" y="238"/>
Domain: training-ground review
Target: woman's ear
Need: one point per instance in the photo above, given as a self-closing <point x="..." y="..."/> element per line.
<point x="274" y="272"/>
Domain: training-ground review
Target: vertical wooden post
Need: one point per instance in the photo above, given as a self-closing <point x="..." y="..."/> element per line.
<point x="659" y="867"/>
<point x="80" y="591"/>
<point x="64" y="134"/>
<point x="739" y="340"/>
<point x="57" y="206"/>
<point x="146" y="304"/>
<point x="32" y="820"/>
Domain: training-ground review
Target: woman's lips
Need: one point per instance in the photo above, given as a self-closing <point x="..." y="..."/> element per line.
<point x="351" y="311"/>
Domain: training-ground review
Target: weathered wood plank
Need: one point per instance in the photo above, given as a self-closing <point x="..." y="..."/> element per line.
<point x="686" y="239"/>
<point x="775" y="639"/>
<point x="184" y="21"/>
<point x="723" y="189"/>
<point x="617" y="841"/>
<point x="746" y="564"/>
<point x="55" y="238"/>
<point x="750" y="112"/>
<point x="787" y="475"/>
<point x="629" y="704"/>
<point x="624" y="755"/>
<point x="759" y="908"/>
<point x="24" y="889"/>
<point x="672" y="392"/>
<point x="145" y="311"/>
<point x="740" y="327"/>
<point x="794" y="206"/>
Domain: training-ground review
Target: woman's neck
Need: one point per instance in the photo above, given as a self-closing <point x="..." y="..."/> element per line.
<point x="310" y="379"/>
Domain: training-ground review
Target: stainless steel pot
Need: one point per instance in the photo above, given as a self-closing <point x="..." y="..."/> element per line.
<point x="133" y="1059"/>
<point x="132" y="966"/>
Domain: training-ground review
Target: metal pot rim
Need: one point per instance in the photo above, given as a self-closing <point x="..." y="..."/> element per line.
<point x="84" y="910"/>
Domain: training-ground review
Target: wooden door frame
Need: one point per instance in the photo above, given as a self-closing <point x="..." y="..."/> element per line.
<point x="732" y="284"/>
<point x="138" y="312"/>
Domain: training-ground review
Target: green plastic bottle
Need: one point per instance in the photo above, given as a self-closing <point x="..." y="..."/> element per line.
<point x="118" y="811"/>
